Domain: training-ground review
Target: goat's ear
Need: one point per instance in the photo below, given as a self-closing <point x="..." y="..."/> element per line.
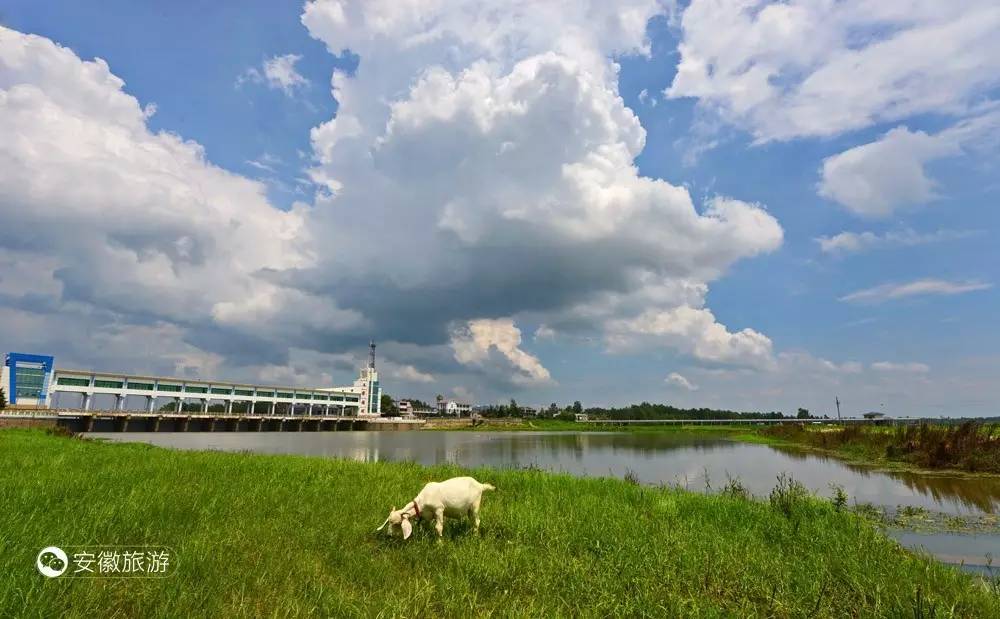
<point x="407" y="528"/>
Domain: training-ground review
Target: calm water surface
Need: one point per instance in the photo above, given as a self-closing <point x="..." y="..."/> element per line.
<point x="687" y="461"/>
<point x="976" y="553"/>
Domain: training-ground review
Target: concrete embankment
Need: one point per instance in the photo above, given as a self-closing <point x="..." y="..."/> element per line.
<point x="130" y="421"/>
<point x="26" y="422"/>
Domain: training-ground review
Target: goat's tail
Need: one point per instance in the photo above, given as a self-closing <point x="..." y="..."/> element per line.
<point x="487" y="486"/>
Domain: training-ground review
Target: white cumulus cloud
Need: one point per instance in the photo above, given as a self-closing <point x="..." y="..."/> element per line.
<point x="889" y="291"/>
<point x="278" y="73"/>
<point x="880" y="177"/>
<point x="910" y="367"/>
<point x="411" y="374"/>
<point x="875" y="179"/>
<point x="505" y="145"/>
<point x="677" y="380"/>
<point x="857" y="242"/>
<point x="805" y="68"/>
<point x="124" y="219"/>
<point x="693" y="330"/>
<point x="474" y="342"/>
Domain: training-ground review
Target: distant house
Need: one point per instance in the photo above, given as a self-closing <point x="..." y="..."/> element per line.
<point x="407" y="409"/>
<point x="581" y="417"/>
<point x="454" y="408"/>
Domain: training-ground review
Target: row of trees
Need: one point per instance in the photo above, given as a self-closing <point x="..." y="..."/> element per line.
<point x="513" y="409"/>
<point x="3" y="399"/>
<point x="647" y="410"/>
<point x="389" y="408"/>
<point x="644" y="410"/>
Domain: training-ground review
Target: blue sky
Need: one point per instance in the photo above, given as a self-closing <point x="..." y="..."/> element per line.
<point x="393" y="208"/>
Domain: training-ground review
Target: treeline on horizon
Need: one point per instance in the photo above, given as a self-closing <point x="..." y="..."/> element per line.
<point x="644" y="410"/>
<point x="648" y="410"/>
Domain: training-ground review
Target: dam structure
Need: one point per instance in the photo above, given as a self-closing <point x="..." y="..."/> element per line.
<point x="89" y="400"/>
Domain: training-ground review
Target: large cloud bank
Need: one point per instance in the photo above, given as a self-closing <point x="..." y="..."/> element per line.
<point x="479" y="173"/>
<point x="487" y="145"/>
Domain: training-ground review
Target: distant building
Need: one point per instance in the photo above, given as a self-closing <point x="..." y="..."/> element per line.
<point x="528" y="410"/>
<point x="408" y="409"/>
<point x="454" y="408"/>
<point x="367" y="385"/>
<point x="581" y="417"/>
<point x="33" y="381"/>
<point x="874" y="415"/>
<point x="25" y="379"/>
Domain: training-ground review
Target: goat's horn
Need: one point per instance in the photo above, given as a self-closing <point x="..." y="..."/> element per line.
<point x="383" y="525"/>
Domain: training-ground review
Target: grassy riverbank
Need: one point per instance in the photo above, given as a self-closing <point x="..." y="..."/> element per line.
<point x="969" y="447"/>
<point x="287" y="536"/>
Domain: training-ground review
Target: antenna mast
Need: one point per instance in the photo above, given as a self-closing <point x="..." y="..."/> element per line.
<point x="371" y="355"/>
<point x="837" y="398"/>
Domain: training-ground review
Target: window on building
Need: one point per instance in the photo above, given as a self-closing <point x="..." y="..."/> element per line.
<point x="29" y="381"/>
<point x="109" y="384"/>
<point x="73" y="382"/>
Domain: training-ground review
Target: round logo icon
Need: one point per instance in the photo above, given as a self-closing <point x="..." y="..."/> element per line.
<point x="52" y="562"/>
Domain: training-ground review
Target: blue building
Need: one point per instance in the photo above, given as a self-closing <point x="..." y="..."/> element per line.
<point x="25" y="378"/>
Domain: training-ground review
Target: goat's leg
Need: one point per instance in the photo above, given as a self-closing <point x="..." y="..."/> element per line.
<point x="474" y="513"/>
<point x="439" y="523"/>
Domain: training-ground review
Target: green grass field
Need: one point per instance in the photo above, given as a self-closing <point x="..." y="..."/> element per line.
<point x="292" y="536"/>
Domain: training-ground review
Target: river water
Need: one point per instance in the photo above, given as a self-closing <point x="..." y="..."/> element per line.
<point x="697" y="463"/>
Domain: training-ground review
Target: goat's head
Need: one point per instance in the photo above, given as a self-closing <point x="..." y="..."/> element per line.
<point x="398" y="520"/>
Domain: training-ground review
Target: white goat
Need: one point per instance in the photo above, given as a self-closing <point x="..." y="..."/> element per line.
<point x="454" y="498"/>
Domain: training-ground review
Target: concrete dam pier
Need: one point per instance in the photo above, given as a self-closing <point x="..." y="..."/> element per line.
<point x="121" y="421"/>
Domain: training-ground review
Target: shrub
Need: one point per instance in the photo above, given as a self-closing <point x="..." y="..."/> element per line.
<point x="839" y="498"/>
<point x="788" y="495"/>
<point x="631" y="477"/>
<point x="735" y="489"/>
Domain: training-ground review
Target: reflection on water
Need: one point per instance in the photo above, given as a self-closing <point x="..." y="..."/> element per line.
<point x="691" y="462"/>
<point x="974" y="553"/>
<point x="977" y="495"/>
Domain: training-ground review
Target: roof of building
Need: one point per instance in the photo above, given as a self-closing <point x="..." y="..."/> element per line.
<point x="195" y="381"/>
